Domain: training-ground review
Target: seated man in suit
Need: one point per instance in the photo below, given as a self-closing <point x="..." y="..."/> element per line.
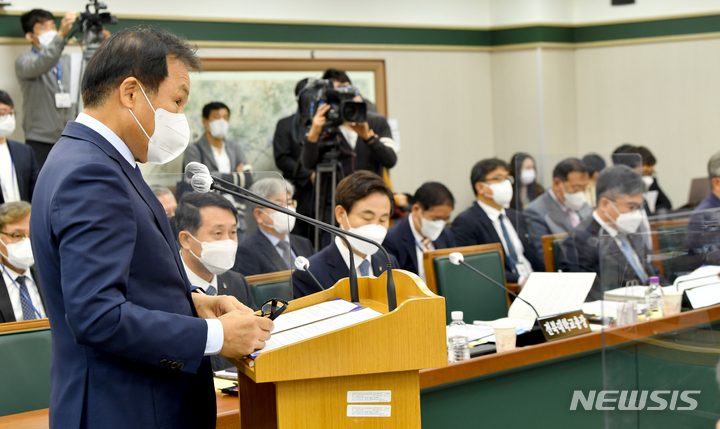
<point x="562" y="207"/>
<point x="20" y="297"/>
<point x="364" y="204"/>
<point x="424" y="229"/>
<point x="208" y="242"/>
<point x="487" y="221"/>
<point x="271" y="248"/>
<point x="704" y="226"/>
<point x="607" y="242"/>
<point x="18" y="168"/>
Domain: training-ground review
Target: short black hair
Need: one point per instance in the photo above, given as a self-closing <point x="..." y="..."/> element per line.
<point x="134" y="52"/>
<point x="627" y="154"/>
<point x="300" y="85"/>
<point x="359" y="185"/>
<point x="567" y="166"/>
<point x="29" y="19"/>
<point x="187" y="214"/>
<point x="616" y="181"/>
<point x="432" y="194"/>
<point x="647" y="157"/>
<point x="215" y="105"/>
<point x="5" y="99"/>
<point x="336" y="75"/>
<point x="594" y="163"/>
<point x="483" y="168"/>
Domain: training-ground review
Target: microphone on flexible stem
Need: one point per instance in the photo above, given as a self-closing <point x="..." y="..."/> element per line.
<point x="457" y="258"/>
<point x="302" y="264"/>
<point x="202" y="181"/>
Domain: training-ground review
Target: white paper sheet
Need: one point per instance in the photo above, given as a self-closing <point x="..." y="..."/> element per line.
<point x="552" y="293"/>
<point x="312" y="314"/>
<point x="305" y="332"/>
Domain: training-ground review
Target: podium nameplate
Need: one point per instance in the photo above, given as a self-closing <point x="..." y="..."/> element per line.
<point x="564" y="325"/>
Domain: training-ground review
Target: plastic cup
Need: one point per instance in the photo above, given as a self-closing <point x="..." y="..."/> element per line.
<point x="671" y="302"/>
<point x="505" y="337"/>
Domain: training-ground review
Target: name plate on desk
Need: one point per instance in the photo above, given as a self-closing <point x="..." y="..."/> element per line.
<point x="564" y="325"/>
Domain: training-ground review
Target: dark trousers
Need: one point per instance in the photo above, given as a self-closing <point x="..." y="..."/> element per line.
<point x="41" y="150"/>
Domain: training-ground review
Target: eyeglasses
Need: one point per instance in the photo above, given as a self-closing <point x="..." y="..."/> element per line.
<point x="15" y="236"/>
<point x="272" y="308"/>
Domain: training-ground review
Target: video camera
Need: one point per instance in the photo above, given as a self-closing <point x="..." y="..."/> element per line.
<point x="342" y="106"/>
<point x="90" y="25"/>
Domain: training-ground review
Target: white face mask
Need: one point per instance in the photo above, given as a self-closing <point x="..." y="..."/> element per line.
<point x="648" y="180"/>
<point x="371" y="231"/>
<point x="20" y="254"/>
<point x="282" y="223"/>
<point x="171" y="136"/>
<point x="7" y="125"/>
<point x="627" y="222"/>
<point x="527" y="176"/>
<point x="217" y="256"/>
<point x="431" y="229"/>
<point x="574" y="201"/>
<point x="46" y="38"/>
<point x="502" y="192"/>
<point x="219" y="128"/>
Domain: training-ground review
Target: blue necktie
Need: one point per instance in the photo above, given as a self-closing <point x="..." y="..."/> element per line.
<point x="286" y="255"/>
<point x="630" y="256"/>
<point x="211" y="291"/>
<point x="511" y="249"/>
<point x="365" y="268"/>
<point x="27" y="307"/>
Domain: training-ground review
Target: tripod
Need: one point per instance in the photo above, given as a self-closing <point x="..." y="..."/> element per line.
<point x="330" y="168"/>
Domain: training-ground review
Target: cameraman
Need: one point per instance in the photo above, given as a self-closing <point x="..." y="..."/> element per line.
<point x="44" y="75"/>
<point x="363" y="146"/>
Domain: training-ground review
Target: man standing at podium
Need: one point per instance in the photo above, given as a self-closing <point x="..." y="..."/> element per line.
<point x="129" y="350"/>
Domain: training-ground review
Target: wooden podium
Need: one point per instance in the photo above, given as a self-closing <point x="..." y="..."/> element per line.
<point x="306" y="384"/>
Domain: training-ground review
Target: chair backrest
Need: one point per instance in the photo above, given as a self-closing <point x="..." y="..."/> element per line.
<point x="463" y="289"/>
<point x="551" y="250"/>
<point x="25" y="350"/>
<point x="699" y="190"/>
<point x="271" y="285"/>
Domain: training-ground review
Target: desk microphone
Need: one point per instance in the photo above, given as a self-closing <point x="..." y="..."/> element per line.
<point x="302" y="264"/>
<point x="202" y="181"/>
<point x="457" y="258"/>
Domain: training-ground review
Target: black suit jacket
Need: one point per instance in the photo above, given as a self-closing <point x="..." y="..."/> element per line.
<point x="234" y="284"/>
<point x="328" y="266"/>
<point x="257" y="255"/>
<point x="26" y="169"/>
<point x="662" y="203"/>
<point x="400" y="243"/>
<point x="6" y="311"/>
<point x="582" y="249"/>
<point x="473" y="227"/>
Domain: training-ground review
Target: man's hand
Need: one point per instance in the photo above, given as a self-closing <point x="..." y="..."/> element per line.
<point x="362" y="129"/>
<point x="244" y="333"/>
<point x="212" y="307"/>
<point x="318" y="123"/>
<point x="312" y="178"/>
<point x="66" y="24"/>
<point x="106" y="34"/>
<point x="239" y="168"/>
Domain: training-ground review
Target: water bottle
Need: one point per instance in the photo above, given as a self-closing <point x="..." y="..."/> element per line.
<point x="654" y="299"/>
<point x="458" y="348"/>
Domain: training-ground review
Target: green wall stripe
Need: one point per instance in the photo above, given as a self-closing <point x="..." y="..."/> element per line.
<point x="337" y="34"/>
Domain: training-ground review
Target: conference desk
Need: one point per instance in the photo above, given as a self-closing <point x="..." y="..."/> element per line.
<point x="533" y="386"/>
<point x="227" y="416"/>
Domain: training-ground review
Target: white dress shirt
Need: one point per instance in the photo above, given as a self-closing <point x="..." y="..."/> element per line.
<point x="612" y="232"/>
<point x="419" y="248"/>
<point x="215" y="329"/>
<point x="494" y="215"/>
<point x="358" y="260"/>
<point x="222" y="159"/>
<point x="9" y="277"/>
<point x="350" y="136"/>
<point x="8" y="175"/>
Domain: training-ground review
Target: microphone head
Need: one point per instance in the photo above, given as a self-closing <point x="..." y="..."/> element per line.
<point x="456" y="258"/>
<point x="201" y="182"/>
<point x="302" y="263"/>
<point x="194" y="168"/>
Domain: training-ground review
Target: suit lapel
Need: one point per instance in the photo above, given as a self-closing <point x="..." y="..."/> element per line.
<point x="6" y="310"/>
<point x="338" y="269"/>
<point x="208" y="156"/>
<point x="408" y="241"/>
<point x="14" y="160"/>
<point x="269" y="250"/>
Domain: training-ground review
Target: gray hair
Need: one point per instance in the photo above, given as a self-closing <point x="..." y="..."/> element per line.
<point x="714" y="166"/>
<point x="160" y="190"/>
<point x="271" y="186"/>
<point x="616" y="181"/>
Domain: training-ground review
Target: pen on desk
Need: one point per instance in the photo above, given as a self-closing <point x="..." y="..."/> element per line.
<point x="479" y="323"/>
